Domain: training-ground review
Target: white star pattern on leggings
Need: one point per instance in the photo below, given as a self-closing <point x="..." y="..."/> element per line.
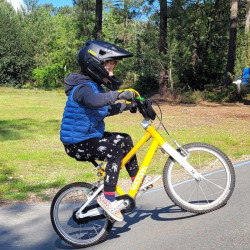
<point x="107" y="179"/>
<point x="116" y="141"/>
<point x="78" y="156"/>
<point x="114" y="167"/>
<point x="119" y="137"/>
<point x="101" y="148"/>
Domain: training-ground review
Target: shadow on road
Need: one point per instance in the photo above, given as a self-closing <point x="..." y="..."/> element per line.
<point x="169" y="213"/>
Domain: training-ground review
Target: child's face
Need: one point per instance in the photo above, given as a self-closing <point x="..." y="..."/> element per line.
<point x="110" y="66"/>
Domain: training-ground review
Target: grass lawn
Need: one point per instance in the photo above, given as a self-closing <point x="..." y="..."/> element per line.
<point x="33" y="161"/>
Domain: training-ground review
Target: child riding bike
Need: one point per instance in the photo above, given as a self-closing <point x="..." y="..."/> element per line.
<point x="83" y="129"/>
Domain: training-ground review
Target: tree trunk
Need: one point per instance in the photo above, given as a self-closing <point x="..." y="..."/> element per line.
<point x="247" y="17"/>
<point x="163" y="27"/>
<point x="163" y="82"/>
<point x="163" y="46"/>
<point x="98" y="11"/>
<point x="170" y="75"/>
<point x="247" y="29"/>
<point x="232" y="42"/>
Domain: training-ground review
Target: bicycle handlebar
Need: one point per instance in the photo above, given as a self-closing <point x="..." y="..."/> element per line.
<point x="144" y="106"/>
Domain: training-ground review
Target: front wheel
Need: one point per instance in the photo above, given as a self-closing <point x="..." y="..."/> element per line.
<point x="205" y="195"/>
<point x="67" y="201"/>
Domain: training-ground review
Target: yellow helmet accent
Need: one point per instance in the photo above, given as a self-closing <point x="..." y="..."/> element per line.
<point x="92" y="52"/>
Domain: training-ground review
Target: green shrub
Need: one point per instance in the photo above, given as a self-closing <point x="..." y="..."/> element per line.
<point x="48" y="77"/>
<point x="146" y="85"/>
<point x="212" y="96"/>
<point x="191" y="97"/>
<point x="229" y="94"/>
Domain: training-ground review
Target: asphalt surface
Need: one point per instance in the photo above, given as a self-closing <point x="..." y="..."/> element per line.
<point x="155" y="224"/>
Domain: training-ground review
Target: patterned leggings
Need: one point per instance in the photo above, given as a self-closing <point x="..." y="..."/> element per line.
<point x="112" y="147"/>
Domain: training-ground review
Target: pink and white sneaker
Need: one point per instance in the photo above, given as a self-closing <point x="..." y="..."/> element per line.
<point x="111" y="208"/>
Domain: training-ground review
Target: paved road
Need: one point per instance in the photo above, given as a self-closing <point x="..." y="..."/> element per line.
<point x="155" y="224"/>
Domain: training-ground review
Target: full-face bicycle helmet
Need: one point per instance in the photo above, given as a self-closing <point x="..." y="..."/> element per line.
<point x="92" y="56"/>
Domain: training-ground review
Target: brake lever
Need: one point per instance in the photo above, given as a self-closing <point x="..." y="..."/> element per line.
<point x="134" y="107"/>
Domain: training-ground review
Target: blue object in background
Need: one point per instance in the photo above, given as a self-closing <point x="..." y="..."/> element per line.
<point x="246" y="75"/>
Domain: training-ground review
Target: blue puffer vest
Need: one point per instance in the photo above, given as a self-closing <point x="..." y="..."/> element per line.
<point x="80" y="123"/>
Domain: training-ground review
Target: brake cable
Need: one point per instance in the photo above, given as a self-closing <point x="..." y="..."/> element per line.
<point x="160" y="119"/>
<point x="161" y="123"/>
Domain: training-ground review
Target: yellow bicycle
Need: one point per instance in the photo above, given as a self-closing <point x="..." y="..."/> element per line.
<point x="197" y="177"/>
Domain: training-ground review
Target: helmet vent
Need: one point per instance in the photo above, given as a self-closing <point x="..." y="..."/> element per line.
<point x="102" y="52"/>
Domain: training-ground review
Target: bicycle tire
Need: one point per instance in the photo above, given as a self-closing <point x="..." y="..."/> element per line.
<point x="218" y="178"/>
<point x="73" y="196"/>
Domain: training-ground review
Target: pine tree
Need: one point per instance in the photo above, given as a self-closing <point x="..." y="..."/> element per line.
<point x="232" y="42"/>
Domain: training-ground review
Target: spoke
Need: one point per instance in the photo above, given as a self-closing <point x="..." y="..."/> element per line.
<point x="191" y="195"/>
<point x="218" y="178"/>
<point x="200" y="161"/>
<point x="85" y="233"/>
<point x="74" y="205"/>
<point x="203" y="193"/>
<point x="185" y="191"/>
<point x="219" y="192"/>
<point x="88" y="234"/>
<point x="95" y="231"/>
<point x="214" y="184"/>
<point x="213" y="163"/>
<point x="213" y="191"/>
<point x="197" y="189"/>
<point x="71" y="223"/>
<point x="96" y="225"/>
<point x="209" y="186"/>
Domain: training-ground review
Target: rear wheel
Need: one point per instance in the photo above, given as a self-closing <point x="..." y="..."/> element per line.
<point x="67" y="201"/>
<point x="212" y="191"/>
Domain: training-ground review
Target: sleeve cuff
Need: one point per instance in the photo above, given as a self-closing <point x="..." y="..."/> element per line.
<point x="123" y="106"/>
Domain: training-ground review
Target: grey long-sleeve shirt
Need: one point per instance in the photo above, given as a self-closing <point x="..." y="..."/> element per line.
<point x="85" y="95"/>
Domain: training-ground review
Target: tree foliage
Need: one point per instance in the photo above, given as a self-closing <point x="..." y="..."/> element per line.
<point x="39" y="44"/>
<point x="15" y="52"/>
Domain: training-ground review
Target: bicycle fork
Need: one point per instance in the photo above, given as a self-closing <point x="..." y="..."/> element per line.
<point x="182" y="160"/>
<point x="80" y="214"/>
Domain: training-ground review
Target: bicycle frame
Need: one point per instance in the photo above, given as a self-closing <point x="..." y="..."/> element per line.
<point x="205" y="196"/>
<point x="157" y="141"/>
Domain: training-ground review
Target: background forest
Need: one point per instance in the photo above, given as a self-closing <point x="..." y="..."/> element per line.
<point x="184" y="50"/>
<point x="179" y="46"/>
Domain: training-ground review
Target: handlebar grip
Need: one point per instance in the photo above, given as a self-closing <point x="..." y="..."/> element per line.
<point x="133" y="90"/>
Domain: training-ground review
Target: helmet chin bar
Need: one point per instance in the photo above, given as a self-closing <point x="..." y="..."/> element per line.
<point x="112" y="84"/>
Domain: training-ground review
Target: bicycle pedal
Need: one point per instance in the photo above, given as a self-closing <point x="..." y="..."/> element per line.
<point x="147" y="188"/>
<point x="143" y="191"/>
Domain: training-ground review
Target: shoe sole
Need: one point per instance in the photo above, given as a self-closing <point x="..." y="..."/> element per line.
<point x="109" y="213"/>
<point x="158" y="177"/>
